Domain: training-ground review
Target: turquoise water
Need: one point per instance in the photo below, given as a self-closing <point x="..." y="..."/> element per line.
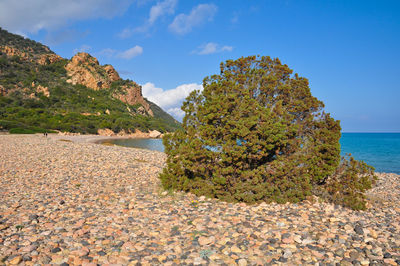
<point x="149" y="144"/>
<point x="381" y="150"/>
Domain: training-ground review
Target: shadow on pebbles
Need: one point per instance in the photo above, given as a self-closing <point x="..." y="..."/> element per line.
<point x="67" y="203"/>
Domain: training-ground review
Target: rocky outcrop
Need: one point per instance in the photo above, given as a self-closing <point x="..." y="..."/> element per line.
<point x="3" y="91"/>
<point x="28" y="54"/>
<point x="105" y="132"/>
<point x="11" y="51"/>
<point x="141" y="110"/>
<point x="85" y="70"/>
<point x="47" y="59"/>
<point x="132" y="94"/>
<point x="111" y="73"/>
<point x="44" y="90"/>
<point x="94" y="114"/>
<point x="154" y="134"/>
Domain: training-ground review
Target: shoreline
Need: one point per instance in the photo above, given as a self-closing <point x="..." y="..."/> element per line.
<point x="77" y="202"/>
<point x="91" y="138"/>
<point x="98" y="139"/>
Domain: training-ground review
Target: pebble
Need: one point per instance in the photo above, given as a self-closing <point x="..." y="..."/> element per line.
<point x="79" y="203"/>
<point x="15" y="260"/>
<point x="242" y="262"/>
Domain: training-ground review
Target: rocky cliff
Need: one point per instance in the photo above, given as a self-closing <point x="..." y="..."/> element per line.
<point x="85" y="69"/>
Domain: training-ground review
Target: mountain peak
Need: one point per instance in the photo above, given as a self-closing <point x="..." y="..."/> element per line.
<point x="85" y="69"/>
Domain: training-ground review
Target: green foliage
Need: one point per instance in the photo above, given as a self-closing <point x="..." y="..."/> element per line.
<point x="22" y="44"/>
<point x="15" y="127"/>
<point x="255" y="133"/>
<point x="21" y="131"/>
<point x="347" y="185"/>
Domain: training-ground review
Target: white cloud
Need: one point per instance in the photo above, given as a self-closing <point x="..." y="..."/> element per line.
<point x="227" y="48"/>
<point x="166" y="7"/>
<point x="31" y="16"/>
<point x="130" y="53"/>
<point x="126" y="33"/>
<point x="183" y="23"/>
<point x="83" y="48"/>
<point x="127" y="54"/>
<point x="108" y="52"/>
<point x="161" y="8"/>
<point x="176" y="112"/>
<point x="169" y="100"/>
<point x="212" y="48"/>
<point x="209" y="48"/>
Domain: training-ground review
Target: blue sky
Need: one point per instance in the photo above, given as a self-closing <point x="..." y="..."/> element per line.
<point x="349" y="50"/>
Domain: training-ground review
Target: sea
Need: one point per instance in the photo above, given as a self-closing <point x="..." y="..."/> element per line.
<point x="381" y="150"/>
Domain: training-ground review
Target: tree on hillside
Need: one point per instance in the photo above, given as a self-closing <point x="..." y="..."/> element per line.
<point x="255" y="133"/>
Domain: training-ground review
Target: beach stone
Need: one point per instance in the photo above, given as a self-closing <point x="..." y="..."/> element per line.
<point x="235" y="249"/>
<point x="354" y="255"/>
<point x="205" y="240"/>
<point x="358" y="229"/>
<point x="373" y="233"/>
<point x="390" y="261"/>
<point x="242" y="262"/>
<point x="287" y="239"/>
<point x="287" y="253"/>
<point x="16" y="260"/>
<point x="297" y="239"/>
<point x="26" y="258"/>
<point x="55" y="250"/>
<point x="101" y="253"/>
<point x="113" y="213"/>
<point x="57" y="259"/>
<point x="199" y="261"/>
<point x="29" y="248"/>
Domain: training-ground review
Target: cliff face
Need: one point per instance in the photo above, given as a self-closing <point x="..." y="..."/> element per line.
<point x="85" y="69"/>
<point x="132" y="94"/>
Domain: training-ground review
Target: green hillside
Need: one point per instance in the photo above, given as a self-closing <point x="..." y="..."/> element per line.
<point x="37" y="96"/>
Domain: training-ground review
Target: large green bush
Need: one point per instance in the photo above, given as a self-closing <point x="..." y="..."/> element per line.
<point x="255" y="133"/>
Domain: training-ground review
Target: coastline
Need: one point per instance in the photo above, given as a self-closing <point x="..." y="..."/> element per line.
<point x="88" y="138"/>
<point x="65" y="199"/>
<point x="92" y="138"/>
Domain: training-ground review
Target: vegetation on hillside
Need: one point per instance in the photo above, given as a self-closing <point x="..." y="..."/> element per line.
<point x="66" y="107"/>
<point x="23" y="44"/>
<point x="255" y="133"/>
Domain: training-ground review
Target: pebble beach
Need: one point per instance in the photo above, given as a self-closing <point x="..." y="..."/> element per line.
<point x="65" y="200"/>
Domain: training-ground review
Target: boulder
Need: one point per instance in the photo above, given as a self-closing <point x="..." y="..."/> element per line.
<point x="154" y="134"/>
<point x="105" y="132"/>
